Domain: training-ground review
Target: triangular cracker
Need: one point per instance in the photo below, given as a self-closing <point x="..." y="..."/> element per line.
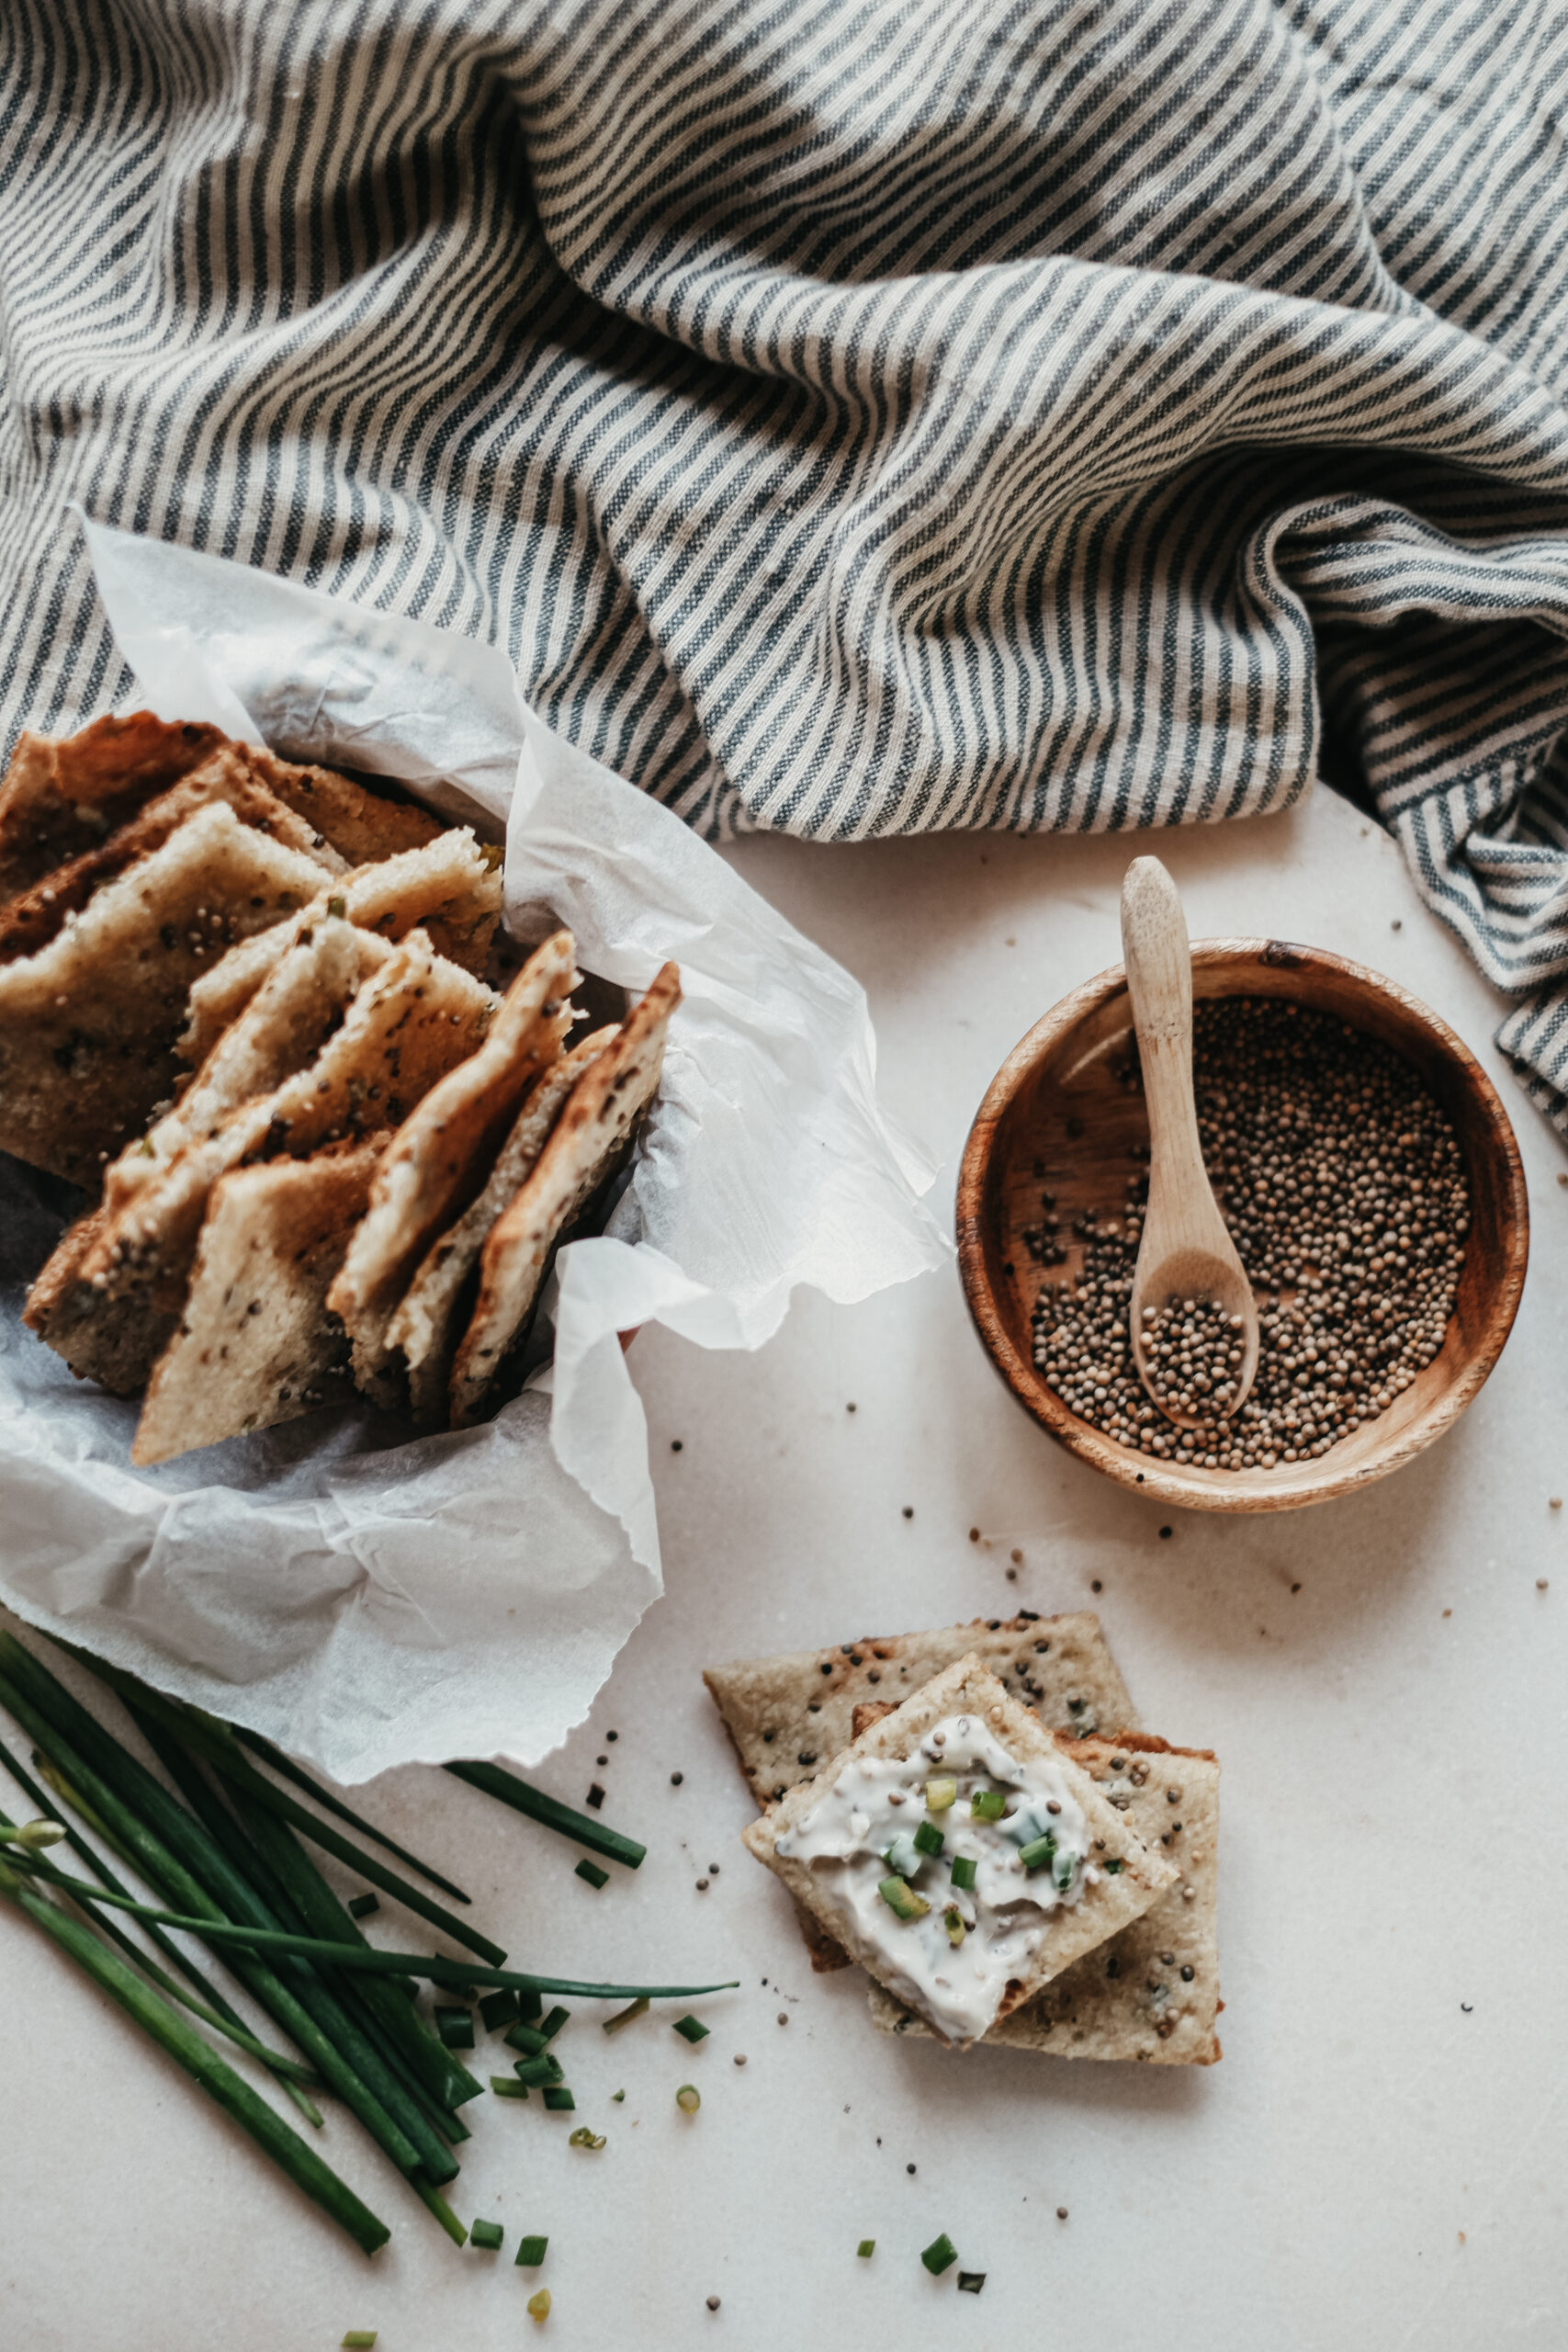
<point x="450" y="889"/>
<point x="87" y="1025"/>
<point x="255" y="1345"/>
<point x="113" y="1341"/>
<point x="440" y="1156"/>
<point x="593" y="1130"/>
<point x="61" y="797"/>
<point x="1123" y="1881"/>
<point x="362" y="825"/>
<point x="431" y="1315"/>
<point x="1152" y="1992"/>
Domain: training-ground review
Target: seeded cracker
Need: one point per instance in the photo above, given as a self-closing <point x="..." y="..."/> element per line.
<point x="1105" y="1907"/>
<point x="87" y="1025"/>
<point x="786" y="1715"/>
<point x="59" y="799"/>
<point x="101" y="1340"/>
<point x="440" y="1156"/>
<point x="594" y="1130"/>
<point x="1152" y="1992"/>
<point x="435" y="1310"/>
<point x="255" y="1345"/>
<point x="362" y="826"/>
<point x="450" y="889"/>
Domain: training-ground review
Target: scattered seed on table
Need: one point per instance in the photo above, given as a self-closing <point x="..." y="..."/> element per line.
<point x="1541" y="1584"/>
<point x="740" y="2058"/>
<point x="909" y="1511"/>
<point x="675" y="1445"/>
<point x="713" y="2303"/>
<point x="909" y="2167"/>
<point x="1060" y="2213"/>
<point x="783" y="2018"/>
<point x="676" y="1778"/>
<point x="702" y="1886"/>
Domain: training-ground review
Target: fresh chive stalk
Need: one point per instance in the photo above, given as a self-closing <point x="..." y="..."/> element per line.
<point x="290" y="1770"/>
<point x="32" y="1836"/>
<point x="496" y="1783"/>
<point x="228" y="2090"/>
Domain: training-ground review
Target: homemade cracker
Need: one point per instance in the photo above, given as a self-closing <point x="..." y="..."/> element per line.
<point x="440" y="1156"/>
<point x="430" y="1316"/>
<point x="1152" y="1992"/>
<point x="966" y="1687"/>
<point x="362" y="825"/>
<point x="88" y="1024"/>
<point x="113" y="1341"/>
<point x="594" y="1131"/>
<point x="59" y="799"/>
<point x="255" y="1345"/>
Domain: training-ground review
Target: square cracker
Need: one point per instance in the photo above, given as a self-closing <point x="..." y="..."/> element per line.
<point x="1152" y="1992"/>
<point x="449" y="888"/>
<point x="967" y="1687"/>
<point x="785" y="1713"/>
<point x="88" y="1024"/>
<point x="255" y="1344"/>
<point x="61" y="797"/>
<point x="441" y="1155"/>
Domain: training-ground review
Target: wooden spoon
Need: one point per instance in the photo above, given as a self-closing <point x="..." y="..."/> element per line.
<point x="1186" y="1251"/>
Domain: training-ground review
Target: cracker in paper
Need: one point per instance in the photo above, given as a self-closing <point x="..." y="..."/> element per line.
<point x="34" y="917"/>
<point x="59" y="799"/>
<point x="255" y="1345"/>
<point x="1125" y="1880"/>
<point x="87" y="1025"/>
<point x="113" y="1341"/>
<point x="1152" y="1992"/>
<point x="361" y="824"/>
<point x="433" y="1311"/>
<point x="785" y="1715"/>
<point x="450" y="889"/>
<point x="593" y="1132"/>
<point x="440" y="1156"/>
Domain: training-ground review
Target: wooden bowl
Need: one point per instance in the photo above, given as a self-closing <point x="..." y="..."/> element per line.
<point x="1057" y="1118"/>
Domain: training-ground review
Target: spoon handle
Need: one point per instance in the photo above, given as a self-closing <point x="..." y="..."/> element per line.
<point x="1159" y="982"/>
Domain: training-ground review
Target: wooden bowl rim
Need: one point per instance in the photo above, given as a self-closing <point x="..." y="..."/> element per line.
<point x="1231" y="1490"/>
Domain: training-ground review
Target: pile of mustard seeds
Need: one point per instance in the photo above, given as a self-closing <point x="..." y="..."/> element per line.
<point x="1341" y="1182"/>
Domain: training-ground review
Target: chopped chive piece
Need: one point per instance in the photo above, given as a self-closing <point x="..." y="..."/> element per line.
<point x="953" y="1920"/>
<point x="940" y="1794"/>
<point x="963" y="1871"/>
<point x="485" y="2236"/>
<point x="530" y="2005"/>
<point x="1112" y="1867"/>
<point x="866" y="2248"/>
<point x="539" y="2305"/>
<point x="988" y="1804"/>
<point x="508" y="2087"/>
<point x="549" y="2027"/>
<point x="1038" y="1851"/>
<point x="902" y="1900"/>
<point x="591" y="1873"/>
<point x="358" y="2339"/>
<point x="691" y="2030"/>
<point x="688" y="2098"/>
<point x="616" y="2097"/>
<point x="526" y="2038"/>
<point x="456" y="2028"/>
<point x="360" y="1906"/>
<point x="557" y="2098"/>
<point x="583" y="2138"/>
<point x="536" y="2073"/>
<point x="902" y="1854"/>
<point x="625" y="2017"/>
<point x="971" y="2281"/>
<point x="939" y="2255"/>
<point x="1063" y="1870"/>
<point x="497" y="1782"/>
<point x="929" y="1838"/>
<point x="498" y="2009"/>
<point x="339" y="907"/>
<point x="530" y="2254"/>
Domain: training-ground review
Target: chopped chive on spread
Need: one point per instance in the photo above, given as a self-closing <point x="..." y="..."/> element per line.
<point x="539" y="2304"/>
<point x="688" y="2098"/>
<point x="456" y="2028"/>
<point x="939" y="2255"/>
<point x="1038" y="1851"/>
<point x="360" y="1906"/>
<point x="940" y="1794"/>
<point x="498" y="2009"/>
<point x="485" y="2236"/>
<point x="691" y="2030"/>
<point x="963" y="1871"/>
<point x="530" y="2254"/>
<point x="583" y="2138"/>
<point x="902" y="1854"/>
<point x="625" y="2017"/>
<point x="557" y="2098"/>
<point x="591" y="1873"/>
<point x="1112" y="1868"/>
<point x="902" y="1900"/>
<point x="988" y="1804"/>
<point x="971" y="2281"/>
<point x="1064" y="1866"/>
<point x="929" y="1838"/>
<point x="508" y="2087"/>
<point x="953" y="1920"/>
<point x="866" y="2248"/>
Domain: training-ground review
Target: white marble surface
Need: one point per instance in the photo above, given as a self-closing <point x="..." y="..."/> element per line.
<point x="1379" y="2159"/>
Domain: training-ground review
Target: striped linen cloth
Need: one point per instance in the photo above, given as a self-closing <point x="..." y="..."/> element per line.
<point x="854" y="416"/>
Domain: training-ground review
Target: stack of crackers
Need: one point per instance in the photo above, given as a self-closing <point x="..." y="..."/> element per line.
<point x="244" y="1003"/>
<point x="1132" y="1970"/>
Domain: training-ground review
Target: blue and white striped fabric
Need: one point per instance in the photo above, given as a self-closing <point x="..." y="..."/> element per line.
<point x="853" y="415"/>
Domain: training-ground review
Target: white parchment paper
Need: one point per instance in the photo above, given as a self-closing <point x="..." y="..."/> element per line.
<point x="367" y="1603"/>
